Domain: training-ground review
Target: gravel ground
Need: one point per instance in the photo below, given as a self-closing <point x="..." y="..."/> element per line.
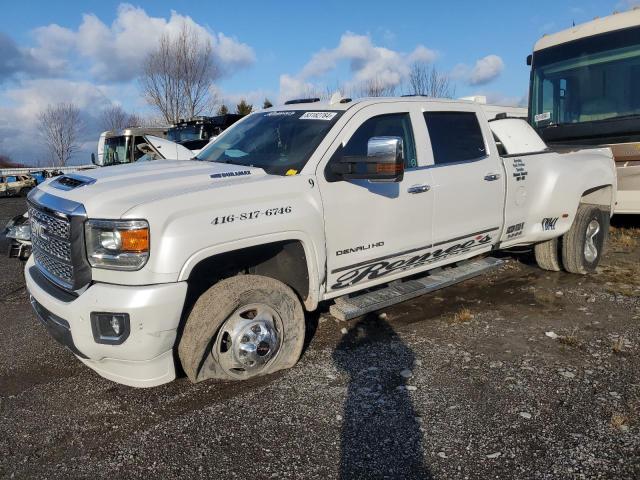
<point x="518" y="374"/>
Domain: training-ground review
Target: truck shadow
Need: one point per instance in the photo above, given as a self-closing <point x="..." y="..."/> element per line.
<point x="381" y="435"/>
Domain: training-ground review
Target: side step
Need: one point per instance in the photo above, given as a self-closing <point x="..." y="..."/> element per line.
<point x="346" y="307"/>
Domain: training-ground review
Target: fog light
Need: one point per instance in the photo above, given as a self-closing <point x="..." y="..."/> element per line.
<point x="110" y="328"/>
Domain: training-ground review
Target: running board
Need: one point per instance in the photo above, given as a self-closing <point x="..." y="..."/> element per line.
<point x="346" y="307"/>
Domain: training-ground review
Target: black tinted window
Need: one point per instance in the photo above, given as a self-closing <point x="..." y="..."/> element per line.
<point x="392" y="125"/>
<point x="455" y="136"/>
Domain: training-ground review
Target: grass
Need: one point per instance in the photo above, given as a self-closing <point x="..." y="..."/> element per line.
<point x="618" y="345"/>
<point x="624" y="238"/>
<point x="619" y="421"/>
<point x="571" y="340"/>
<point x="463" y="315"/>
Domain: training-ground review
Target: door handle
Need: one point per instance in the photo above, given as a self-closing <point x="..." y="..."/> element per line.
<point x="418" y="189"/>
<point x="492" y="177"/>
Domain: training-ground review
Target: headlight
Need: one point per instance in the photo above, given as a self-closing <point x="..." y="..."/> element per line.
<point x="20" y="232"/>
<point x="117" y="244"/>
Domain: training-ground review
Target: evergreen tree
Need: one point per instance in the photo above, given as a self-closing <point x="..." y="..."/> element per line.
<point x="244" y="108"/>
<point x="267" y="103"/>
<point x="223" y="110"/>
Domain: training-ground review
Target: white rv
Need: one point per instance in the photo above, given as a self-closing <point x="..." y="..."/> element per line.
<point x="585" y="90"/>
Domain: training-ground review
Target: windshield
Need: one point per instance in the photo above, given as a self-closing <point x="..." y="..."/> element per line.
<point x="592" y="79"/>
<point x="183" y="134"/>
<point x="278" y="142"/>
<point x="116" y="145"/>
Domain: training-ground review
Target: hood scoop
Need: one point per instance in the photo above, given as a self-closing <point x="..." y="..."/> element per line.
<point x="71" y="181"/>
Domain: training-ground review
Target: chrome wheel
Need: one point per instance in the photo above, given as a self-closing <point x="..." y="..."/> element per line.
<point x="590" y="248"/>
<point x="248" y="340"/>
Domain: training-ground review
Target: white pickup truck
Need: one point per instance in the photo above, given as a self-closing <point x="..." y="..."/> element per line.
<point x="209" y="265"/>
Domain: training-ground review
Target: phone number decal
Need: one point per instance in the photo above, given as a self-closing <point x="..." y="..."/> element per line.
<point x="253" y="215"/>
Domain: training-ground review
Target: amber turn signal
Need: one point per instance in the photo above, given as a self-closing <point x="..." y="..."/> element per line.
<point x="135" y="240"/>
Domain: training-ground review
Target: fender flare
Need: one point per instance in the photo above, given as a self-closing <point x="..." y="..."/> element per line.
<point x="311" y="302"/>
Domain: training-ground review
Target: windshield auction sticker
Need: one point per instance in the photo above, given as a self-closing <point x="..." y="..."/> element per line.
<point x="541" y="117"/>
<point x="318" y="115"/>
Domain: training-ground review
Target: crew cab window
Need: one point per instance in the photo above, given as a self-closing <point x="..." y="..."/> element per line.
<point x="455" y="137"/>
<point x="391" y="125"/>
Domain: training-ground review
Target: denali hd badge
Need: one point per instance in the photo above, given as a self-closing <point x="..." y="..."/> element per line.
<point x="359" y="248"/>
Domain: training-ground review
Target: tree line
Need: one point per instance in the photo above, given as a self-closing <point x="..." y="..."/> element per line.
<point x="177" y="82"/>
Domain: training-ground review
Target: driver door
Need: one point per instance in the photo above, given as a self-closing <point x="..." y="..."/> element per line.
<point x="376" y="231"/>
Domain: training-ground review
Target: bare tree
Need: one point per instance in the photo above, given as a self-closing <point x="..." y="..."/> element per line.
<point x="116" y="118"/>
<point x="428" y="81"/>
<point x="60" y="127"/>
<point x="178" y="75"/>
<point x="375" y="87"/>
<point x="135" y="120"/>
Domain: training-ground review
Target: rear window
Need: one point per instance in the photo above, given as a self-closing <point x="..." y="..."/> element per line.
<point x="455" y="137"/>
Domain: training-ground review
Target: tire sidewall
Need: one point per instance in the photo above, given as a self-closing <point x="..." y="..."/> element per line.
<point x="599" y="240"/>
<point x="218" y="303"/>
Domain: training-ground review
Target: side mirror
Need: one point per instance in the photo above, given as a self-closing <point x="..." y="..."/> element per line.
<point x="93" y="158"/>
<point x="384" y="162"/>
<point x="529" y="60"/>
<point x="116" y="157"/>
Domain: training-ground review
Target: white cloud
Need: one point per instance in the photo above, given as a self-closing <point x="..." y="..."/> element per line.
<point x="16" y="61"/>
<point x="116" y="52"/>
<point x="484" y="71"/>
<point x="366" y="62"/>
<point x="19" y="134"/>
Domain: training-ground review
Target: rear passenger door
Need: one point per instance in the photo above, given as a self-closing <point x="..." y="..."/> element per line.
<point x="468" y="181"/>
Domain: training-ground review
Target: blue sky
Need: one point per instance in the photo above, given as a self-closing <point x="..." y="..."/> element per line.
<point x="89" y="52"/>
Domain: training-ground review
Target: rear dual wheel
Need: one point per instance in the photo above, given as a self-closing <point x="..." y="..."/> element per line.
<point x="581" y="247"/>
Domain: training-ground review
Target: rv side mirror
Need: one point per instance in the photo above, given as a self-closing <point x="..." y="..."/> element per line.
<point x="93" y="158"/>
<point x="384" y="162"/>
<point x="529" y="60"/>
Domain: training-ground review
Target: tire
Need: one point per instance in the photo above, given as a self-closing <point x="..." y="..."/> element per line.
<point x="242" y="327"/>
<point x="548" y="255"/>
<point x="586" y="240"/>
<point x="25" y="191"/>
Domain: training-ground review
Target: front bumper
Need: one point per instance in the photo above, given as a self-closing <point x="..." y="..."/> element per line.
<point x="145" y="358"/>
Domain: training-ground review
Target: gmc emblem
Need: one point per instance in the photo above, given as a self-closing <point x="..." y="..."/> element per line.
<point x="38" y="230"/>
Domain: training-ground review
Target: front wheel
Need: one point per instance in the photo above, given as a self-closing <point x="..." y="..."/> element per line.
<point x="242" y="327"/>
<point x="583" y="245"/>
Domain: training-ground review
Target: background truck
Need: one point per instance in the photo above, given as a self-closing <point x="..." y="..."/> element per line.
<point x="118" y="147"/>
<point x="196" y="132"/>
<point x="211" y="263"/>
<point x="585" y="91"/>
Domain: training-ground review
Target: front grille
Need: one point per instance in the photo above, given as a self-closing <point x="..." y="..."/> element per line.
<point x="59" y="227"/>
<point x="51" y="244"/>
<point x="54" y="267"/>
<point x="60" y="249"/>
<point x="57" y="237"/>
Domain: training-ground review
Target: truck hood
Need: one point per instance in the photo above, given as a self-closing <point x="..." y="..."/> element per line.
<point x="109" y="192"/>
